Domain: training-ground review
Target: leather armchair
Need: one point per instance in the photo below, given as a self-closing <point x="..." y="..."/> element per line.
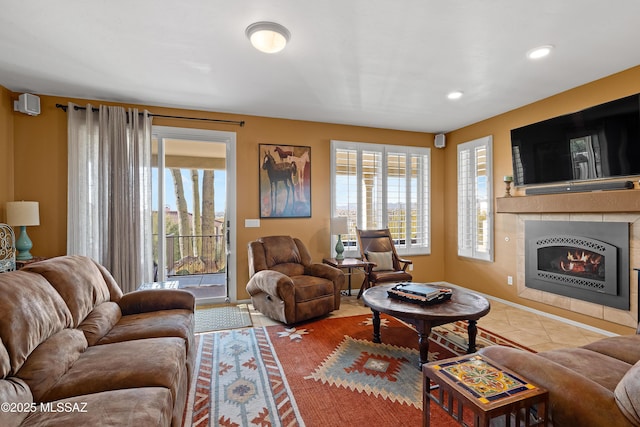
<point x="286" y="285"/>
<point x="377" y="246"/>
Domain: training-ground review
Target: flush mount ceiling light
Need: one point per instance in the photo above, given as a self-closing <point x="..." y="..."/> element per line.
<point x="268" y="37"/>
<point x="539" y="52"/>
<point x="456" y="94"/>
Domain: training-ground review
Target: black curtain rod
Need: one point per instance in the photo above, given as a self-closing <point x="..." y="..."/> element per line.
<point x="233" y="122"/>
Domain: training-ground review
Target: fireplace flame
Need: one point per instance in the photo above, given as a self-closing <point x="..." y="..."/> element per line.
<point x="581" y="262"/>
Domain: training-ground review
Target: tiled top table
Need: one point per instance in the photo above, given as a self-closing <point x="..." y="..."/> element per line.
<point x="475" y="388"/>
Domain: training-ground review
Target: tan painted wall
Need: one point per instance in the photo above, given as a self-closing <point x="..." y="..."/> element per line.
<point x="6" y="150"/>
<point x="491" y="278"/>
<point x="41" y="174"/>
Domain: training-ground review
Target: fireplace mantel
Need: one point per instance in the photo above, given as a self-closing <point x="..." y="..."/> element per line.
<point x="596" y="201"/>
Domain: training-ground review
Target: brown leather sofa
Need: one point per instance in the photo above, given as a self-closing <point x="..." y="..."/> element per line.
<point x="286" y="285"/>
<point x="596" y="385"/>
<point x="75" y="351"/>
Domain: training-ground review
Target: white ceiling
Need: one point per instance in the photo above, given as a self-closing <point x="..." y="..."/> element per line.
<point x="379" y="63"/>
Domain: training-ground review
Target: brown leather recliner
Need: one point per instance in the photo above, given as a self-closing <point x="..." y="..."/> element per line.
<point x="286" y="286"/>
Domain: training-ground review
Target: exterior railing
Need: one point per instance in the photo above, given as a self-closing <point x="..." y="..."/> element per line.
<point x="195" y="254"/>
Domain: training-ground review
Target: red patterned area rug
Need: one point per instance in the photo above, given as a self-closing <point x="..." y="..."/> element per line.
<point x="325" y="373"/>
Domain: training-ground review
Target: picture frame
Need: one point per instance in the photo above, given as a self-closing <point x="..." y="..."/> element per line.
<point x="285" y="181"/>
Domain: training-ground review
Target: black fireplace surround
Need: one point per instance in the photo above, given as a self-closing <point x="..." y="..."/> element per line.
<point x="582" y="260"/>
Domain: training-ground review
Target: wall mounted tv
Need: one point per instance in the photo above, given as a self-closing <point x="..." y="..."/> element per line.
<point x="596" y="143"/>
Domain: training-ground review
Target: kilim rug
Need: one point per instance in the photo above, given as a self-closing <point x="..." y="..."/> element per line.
<point x="322" y="373"/>
<point x="217" y="318"/>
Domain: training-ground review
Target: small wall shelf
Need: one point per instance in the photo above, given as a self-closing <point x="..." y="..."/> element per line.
<point x="595" y="201"/>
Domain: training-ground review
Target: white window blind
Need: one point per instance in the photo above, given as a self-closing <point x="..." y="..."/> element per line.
<point x="475" y="199"/>
<point x="382" y="186"/>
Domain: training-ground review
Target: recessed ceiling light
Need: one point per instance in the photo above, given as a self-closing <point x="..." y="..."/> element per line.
<point x="539" y="52"/>
<point x="268" y="37"/>
<point x="456" y="94"/>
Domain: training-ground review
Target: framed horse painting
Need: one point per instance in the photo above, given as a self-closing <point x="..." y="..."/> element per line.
<point x="285" y="181"/>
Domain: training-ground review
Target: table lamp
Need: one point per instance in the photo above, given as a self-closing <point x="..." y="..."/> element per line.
<point x="339" y="225"/>
<point x="23" y="214"/>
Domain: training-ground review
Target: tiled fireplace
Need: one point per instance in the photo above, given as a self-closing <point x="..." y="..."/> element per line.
<point x="584" y="260"/>
<point x="582" y="264"/>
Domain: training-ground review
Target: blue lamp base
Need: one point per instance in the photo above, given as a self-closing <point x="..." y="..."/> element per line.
<point x="24" y="245"/>
<point x="339" y="249"/>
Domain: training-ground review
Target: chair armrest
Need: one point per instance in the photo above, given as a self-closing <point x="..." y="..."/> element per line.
<point x="330" y="273"/>
<point x="406" y="263"/>
<point x="326" y="272"/>
<point x="156" y="299"/>
<point x="271" y="282"/>
<point x="573" y="398"/>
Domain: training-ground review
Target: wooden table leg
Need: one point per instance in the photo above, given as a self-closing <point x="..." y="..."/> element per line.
<point x="426" y="401"/>
<point x="424" y="330"/>
<point x="472" y="330"/>
<point x="376" y="327"/>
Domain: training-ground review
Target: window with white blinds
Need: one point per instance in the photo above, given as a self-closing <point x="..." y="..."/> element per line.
<point x="475" y="199"/>
<point x="382" y="186"/>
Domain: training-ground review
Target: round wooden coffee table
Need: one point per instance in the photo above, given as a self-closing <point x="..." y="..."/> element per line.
<point x="463" y="305"/>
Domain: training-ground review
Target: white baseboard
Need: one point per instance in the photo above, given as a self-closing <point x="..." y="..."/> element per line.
<point x="538" y="312"/>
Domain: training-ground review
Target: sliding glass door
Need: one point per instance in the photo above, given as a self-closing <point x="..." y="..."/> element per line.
<point x="193" y="188"/>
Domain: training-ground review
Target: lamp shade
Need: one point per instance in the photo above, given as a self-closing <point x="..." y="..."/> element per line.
<point x="23" y="213"/>
<point x="339" y="225"/>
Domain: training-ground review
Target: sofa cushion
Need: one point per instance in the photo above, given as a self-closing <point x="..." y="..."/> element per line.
<point x="78" y="280"/>
<point x="14" y="390"/>
<point x="309" y="288"/>
<point x="51" y="360"/>
<point x="145" y="406"/>
<point x="100" y="321"/>
<point x="32" y="311"/>
<point x="627" y="394"/>
<point x="152" y="362"/>
<point x="165" y="323"/>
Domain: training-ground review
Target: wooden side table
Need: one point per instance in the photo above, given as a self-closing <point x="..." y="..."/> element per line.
<point x="349" y="264"/>
<point x="485" y="389"/>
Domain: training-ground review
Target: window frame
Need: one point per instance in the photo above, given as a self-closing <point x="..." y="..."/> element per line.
<point x="474" y="204"/>
<point x="408" y="248"/>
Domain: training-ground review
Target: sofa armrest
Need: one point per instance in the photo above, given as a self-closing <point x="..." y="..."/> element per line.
<point x="156" y="299"/>
<point x="573" y="398"/>
<point x="271" y="282"/>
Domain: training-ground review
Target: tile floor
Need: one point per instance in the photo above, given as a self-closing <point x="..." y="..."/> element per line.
<point x="526" y="328"/>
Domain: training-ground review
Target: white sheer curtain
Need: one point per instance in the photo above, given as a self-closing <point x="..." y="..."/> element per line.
<point x="109" y="192"/>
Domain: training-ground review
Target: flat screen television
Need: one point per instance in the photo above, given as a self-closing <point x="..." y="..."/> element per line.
<point x="596" y="143"/>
